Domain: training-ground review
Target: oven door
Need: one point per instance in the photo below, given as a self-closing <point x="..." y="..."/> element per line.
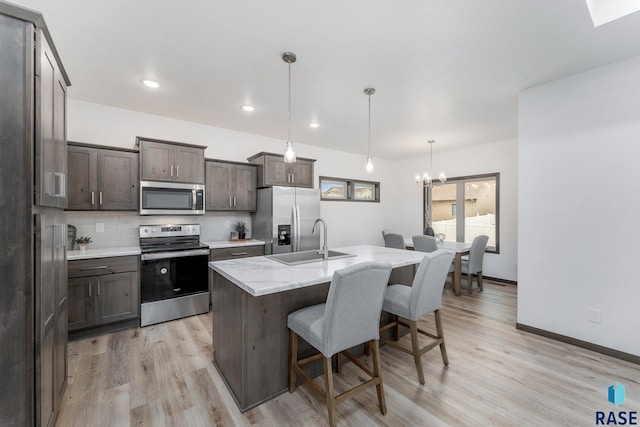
<point x="175" y="274"/>
<point x="169" y="198"/>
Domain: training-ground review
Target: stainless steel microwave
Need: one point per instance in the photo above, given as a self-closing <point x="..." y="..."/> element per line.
<point x="171" y="198"/>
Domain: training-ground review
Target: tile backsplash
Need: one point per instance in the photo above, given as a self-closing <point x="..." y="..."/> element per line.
<point x="121" y="228"/>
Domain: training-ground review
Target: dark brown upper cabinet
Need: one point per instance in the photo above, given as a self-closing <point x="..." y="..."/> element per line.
<point x="230" y="186"/>
<point x="272" y="170"/>
<point x="51" y="128"/>
<point x="102" y="179"/>
<point x="170" y="161"/>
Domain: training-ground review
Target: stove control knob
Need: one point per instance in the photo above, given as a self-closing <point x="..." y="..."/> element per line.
<point x="146" y="231"/>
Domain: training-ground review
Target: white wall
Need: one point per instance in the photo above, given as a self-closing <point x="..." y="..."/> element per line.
<point x="578" y="235"/>
<point x="349" y="223"/>
<point x="494" y="157"/>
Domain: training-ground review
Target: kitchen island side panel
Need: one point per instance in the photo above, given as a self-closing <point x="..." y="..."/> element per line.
<point x="251" y="337"/>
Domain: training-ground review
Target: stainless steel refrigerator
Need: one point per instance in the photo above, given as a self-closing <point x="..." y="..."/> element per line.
<point x="284" y="219"/>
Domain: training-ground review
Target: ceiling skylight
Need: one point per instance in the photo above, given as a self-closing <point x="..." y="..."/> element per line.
<point x="604" y="11"/>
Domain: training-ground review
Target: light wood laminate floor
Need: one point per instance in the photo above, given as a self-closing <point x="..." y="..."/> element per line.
<point x="163" y="375"/>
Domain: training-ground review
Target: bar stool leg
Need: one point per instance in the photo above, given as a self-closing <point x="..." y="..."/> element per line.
<point x="480" y="280"/>
<point x="396" y="329"/>
<point x="293" y="359"/>
<point x="328" y="382"/>
<point x="417" y="357"/>
<point x="440" y="332"/>
<point x="376" y="372"/>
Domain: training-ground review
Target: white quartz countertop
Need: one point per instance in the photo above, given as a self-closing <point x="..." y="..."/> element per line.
<point x="221" y="244"/>
<point x="262" y="276"/>
<point x="135" y="250"/>
<point x="103" y="252"/>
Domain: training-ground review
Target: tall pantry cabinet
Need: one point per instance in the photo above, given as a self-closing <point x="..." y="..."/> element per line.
<point x="33" y="268"/>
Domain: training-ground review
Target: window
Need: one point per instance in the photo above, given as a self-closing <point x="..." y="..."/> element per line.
<point x="349" y="190"/>
<point x="334" y="189"/>
<point x="466" y="207"/>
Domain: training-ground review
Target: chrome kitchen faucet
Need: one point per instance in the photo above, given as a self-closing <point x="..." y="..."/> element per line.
<point x="325" y="249"/>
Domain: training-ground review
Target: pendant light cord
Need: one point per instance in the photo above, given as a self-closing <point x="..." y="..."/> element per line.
<point x="369" y="136"/>
<point x="289" y="116"/>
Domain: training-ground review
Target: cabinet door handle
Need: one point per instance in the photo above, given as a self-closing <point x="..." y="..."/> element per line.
<point x="238" y="254"/>
<point x="230" y="201"/>
<point x="98" y="288"/>
<point x="178" y="171"/>
<point x="172" y="171"/>
<point x="60" y="184"/>
<point x="234" y="202"/>
<point x="293" y="178"/>
<point x="89" y="286"/>
<point x="100" y="198"/>
<point x="99" y="267"/>
<point x="93" y="197"/>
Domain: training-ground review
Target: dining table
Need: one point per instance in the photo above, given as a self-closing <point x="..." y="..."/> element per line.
<point x="460" y="249"/>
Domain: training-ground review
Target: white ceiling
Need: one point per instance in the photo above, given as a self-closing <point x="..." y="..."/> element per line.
<point x="444" y="70"/>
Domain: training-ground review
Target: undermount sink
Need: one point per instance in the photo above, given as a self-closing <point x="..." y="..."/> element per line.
<point x="295" y="258"/>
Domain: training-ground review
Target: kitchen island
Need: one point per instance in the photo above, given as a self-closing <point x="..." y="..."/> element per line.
<point x="252" y="298"/>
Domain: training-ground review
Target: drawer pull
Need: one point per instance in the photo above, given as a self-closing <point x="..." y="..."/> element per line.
<point x="238" y="253"/>
<point x="100" y="267"/>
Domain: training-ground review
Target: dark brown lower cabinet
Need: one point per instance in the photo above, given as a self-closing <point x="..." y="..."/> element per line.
<point x="98" y="298"/>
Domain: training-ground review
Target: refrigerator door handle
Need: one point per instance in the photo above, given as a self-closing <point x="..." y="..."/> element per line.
<point x="298" y="231"/>
<point x="294" y="222"/>
<point x="296" y="228"/>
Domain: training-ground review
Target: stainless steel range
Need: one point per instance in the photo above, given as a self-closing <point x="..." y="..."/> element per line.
<point x="174" y="280"/>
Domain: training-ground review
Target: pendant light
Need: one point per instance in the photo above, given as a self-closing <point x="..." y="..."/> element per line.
<point x="426" y="181"/>
<point x="369" y="165"/>
<point x="289" y="154"/>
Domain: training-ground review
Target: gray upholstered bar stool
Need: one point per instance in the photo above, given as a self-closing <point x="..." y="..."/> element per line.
<point x="393" y="240"/>
<point x="412" y="302"/>
<point x="472" y="265"/>
<point x="424" y="243"/>
<point x="351" y="316"/>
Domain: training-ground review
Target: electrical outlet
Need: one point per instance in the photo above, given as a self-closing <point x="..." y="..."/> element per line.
<point x="594" y="315"/>
<point x="99" y="227"/>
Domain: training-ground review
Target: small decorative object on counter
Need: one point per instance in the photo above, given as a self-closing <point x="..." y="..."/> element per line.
<point x="83" y="242"/>
<point x="72" y="232"/>
<point x="440" y="238"/>
<point x="241" y="228"/>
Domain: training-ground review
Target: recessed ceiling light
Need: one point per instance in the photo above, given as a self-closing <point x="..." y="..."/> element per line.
<point x="150" y="83"/>
<point x="248" y="108"/>
<point x="314" y="125"/>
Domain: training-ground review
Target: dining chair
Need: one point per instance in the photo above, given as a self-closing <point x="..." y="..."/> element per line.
<point x="350" y="316"/>
<point x="393" y="240"/>
<point x="424" y="296"/>
<point x="424" y="243"/>
<point x="472" y="265"/>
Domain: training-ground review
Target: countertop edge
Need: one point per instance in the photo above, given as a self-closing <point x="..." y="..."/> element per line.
<point x="103" y="253"/>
